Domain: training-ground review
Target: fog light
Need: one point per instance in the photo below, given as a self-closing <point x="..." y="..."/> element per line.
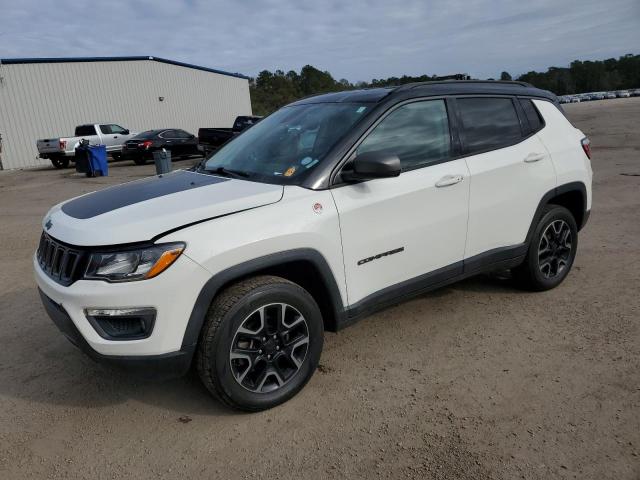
<point x="122" y="323"/>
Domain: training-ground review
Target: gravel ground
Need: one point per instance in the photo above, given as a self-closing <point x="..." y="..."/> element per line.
<point x="476" y="380"/>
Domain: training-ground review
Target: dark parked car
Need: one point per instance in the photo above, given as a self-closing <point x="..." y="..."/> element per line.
<point x="141" y="147"/>
<point x="210" y="139"/>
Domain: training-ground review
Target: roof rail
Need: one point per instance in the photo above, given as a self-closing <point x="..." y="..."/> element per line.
<point x="408" y="86"/>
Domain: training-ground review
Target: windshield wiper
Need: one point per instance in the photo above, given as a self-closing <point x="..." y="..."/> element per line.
<point x="228" y="172"/>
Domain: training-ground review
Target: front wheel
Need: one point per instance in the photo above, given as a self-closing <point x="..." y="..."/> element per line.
<point x="260" y="344"/>
<point x="60" y="162"/>
<point x="551" y="252"/>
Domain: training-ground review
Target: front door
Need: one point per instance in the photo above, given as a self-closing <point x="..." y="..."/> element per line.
<point x="399" y="232"/>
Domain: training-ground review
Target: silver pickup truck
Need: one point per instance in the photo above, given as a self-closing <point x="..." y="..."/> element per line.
<point x="62" y="149"/>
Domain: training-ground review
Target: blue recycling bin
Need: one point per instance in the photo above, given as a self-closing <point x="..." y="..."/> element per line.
<point x="92" y="160"/>
<point x="98" y="161"/>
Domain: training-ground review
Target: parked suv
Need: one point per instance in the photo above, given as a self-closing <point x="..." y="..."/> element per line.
<point x="327" y="210"/>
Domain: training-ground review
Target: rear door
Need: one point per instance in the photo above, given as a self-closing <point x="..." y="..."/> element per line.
<point x="397" y="232"/>
<point x="510" y="173"/>
<point x="187" y="142"/>
<point x="170" y="142"/>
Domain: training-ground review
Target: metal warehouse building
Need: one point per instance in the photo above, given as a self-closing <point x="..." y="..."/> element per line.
<point x="48" y="97"/>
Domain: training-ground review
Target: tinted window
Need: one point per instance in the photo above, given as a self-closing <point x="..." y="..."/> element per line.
<point x="168" y="134"/>
<point x="181" y="134"/>
<point x="105" y="129"/>
<point x="530" y="110"/>
<point x="146" y="135"/>
<point x="488" y="123"/>
<point x="85" y="130"/>
<point x="417" y="132"/>
<point x="116" y="129"/>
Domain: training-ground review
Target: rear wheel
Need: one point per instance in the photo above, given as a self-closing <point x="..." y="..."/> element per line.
<point x="60" y="162"/>
<point x="551" y="252"/>
<point x="260" y="344"/>
<point x="140" y="160"/>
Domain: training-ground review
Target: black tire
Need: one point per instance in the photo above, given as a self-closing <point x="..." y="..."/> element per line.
<point x="548" y="262"/>
<point x="116" y="156"/>
<point x="232" y="309"/>
<point x="140" y="160"/>
<point x="60" y="162"/>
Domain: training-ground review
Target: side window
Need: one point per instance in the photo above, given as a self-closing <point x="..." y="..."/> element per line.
<point x="180" y="134"/>
<point x="117" y="129"/>
<point x="168" y="134"/>
<point x="488" y="123"/>
<point x="85" y="130"/>
<point x="417" y="132"/>
<point x="533" y="116"/>
<point x="105" y="129"/>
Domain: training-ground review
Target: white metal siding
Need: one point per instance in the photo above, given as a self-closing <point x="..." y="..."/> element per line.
<point x="45" y="100"/>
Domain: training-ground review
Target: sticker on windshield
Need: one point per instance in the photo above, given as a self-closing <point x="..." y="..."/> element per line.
<point x="290" y="171"/>
<point x="306" y="161"/>
<point x="312" y="163"/>
<point x="361" y="109"/>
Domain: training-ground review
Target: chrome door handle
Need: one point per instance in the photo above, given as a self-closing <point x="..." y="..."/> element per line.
<point x="534" y="157"/>
<point x="449" y="180"/>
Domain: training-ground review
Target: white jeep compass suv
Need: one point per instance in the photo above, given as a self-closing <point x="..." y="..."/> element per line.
<point x="330" y="208"/>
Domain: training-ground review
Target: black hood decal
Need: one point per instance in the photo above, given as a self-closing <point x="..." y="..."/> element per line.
<point x="112" y="198"/>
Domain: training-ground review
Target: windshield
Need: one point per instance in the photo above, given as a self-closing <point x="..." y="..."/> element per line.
<point x="287" y="144"/>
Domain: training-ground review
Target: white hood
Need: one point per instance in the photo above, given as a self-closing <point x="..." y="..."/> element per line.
<point x="144" y="209"/>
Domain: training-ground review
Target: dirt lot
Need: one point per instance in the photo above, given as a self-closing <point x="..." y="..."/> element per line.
<point x="477" y="380"/>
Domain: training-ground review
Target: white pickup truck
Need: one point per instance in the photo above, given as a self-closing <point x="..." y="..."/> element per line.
<point x="61" y="150"/>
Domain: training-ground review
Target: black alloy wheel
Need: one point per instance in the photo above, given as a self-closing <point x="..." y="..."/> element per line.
<point x="269" y="347"/>
<point x="552" y="250"/>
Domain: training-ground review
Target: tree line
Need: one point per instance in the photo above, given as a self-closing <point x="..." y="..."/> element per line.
<point x="272" y="90"/>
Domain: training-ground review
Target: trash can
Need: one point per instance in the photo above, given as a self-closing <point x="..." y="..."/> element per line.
<point x="98" y="161"/>
<point x="91" y="160"/>
<point x="81" y="157"/>
<point x="162" y="159"/>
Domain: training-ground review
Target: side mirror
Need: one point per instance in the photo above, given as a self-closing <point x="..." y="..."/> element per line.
<point x="370" y="165"/>
<point x="126" y="132"/>
<point x="192" y="136"/>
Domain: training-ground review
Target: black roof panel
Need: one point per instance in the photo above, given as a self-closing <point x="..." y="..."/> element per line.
<point x="425" y="89"/>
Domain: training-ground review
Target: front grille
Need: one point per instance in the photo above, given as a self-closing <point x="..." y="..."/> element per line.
<point x="58" y="261"/>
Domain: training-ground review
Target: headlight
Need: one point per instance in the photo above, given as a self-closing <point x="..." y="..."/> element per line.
<point x="128" y="265"/>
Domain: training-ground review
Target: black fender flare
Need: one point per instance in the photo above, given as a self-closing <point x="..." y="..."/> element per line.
<point x="559" y="190"/>
<point x="256" y="266"/>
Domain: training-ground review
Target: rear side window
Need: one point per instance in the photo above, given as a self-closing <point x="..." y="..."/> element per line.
<point x="488" y="123"/>
<point x="533" y="116"/>
<point x="418" y="133"/>
<point x="85" y="130"/>
<point x="168" y="134"/>
<point x="181" y="134"/>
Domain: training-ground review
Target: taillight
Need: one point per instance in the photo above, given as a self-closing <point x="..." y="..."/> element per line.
<point x="586" y="146"/>
<point x="63" y="144"/>
<point x="146" y="143"/>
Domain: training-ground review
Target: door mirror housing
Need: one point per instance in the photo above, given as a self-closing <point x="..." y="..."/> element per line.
<point x="371" y="165"/>
<point x="125" y="132"/>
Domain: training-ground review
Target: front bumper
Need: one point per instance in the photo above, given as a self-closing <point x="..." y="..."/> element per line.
<point x="168" y="365"/>
<point x="173" y="294"/>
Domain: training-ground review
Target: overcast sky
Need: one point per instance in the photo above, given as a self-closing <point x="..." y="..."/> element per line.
<point x="353" y="39"/>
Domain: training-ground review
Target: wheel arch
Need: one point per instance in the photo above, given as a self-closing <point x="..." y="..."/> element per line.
<point x="572" y="196"/>
<point x="306" y="267"/>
